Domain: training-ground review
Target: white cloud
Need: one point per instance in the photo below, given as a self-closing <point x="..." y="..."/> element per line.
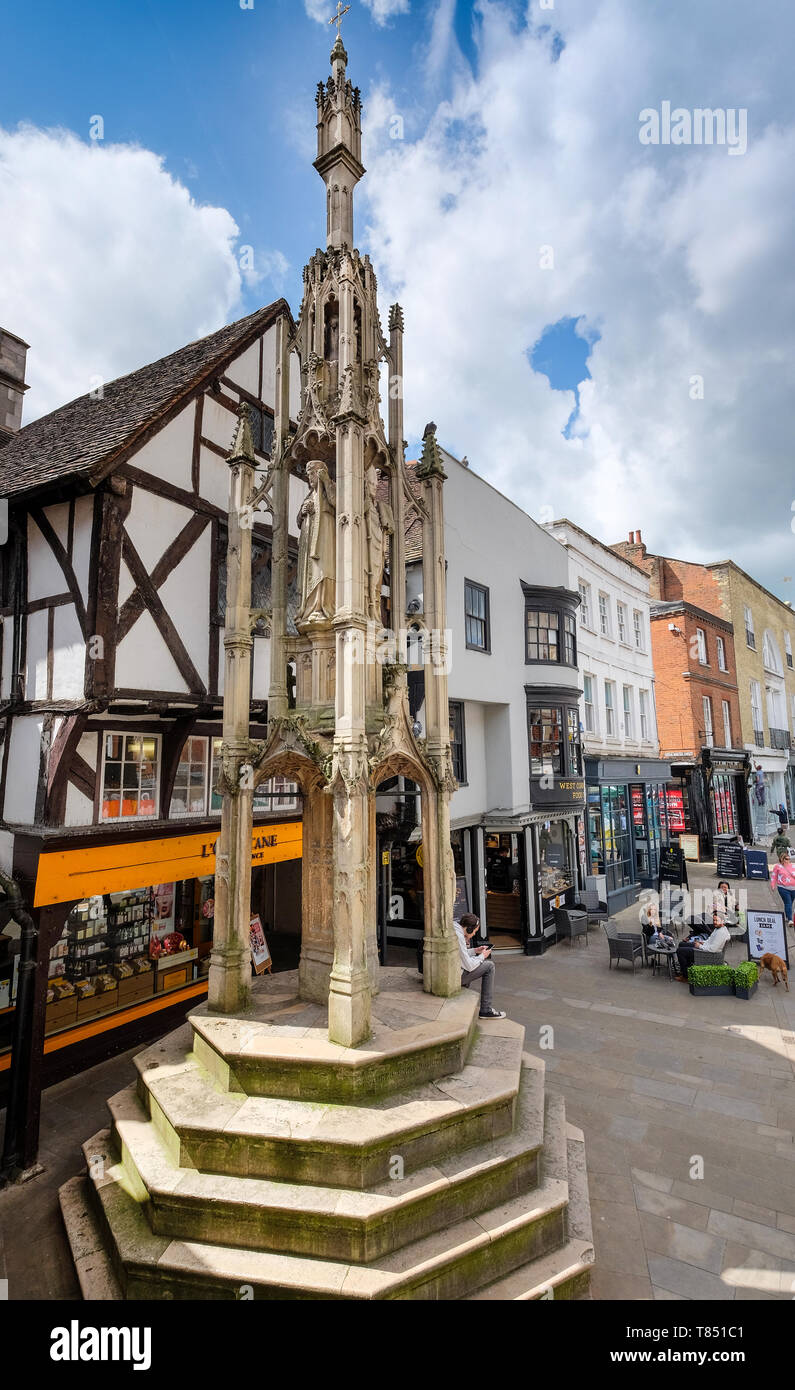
<point x="113" y="262"/>
<point x="679" y="256"/>
<point x="381" y="10"/>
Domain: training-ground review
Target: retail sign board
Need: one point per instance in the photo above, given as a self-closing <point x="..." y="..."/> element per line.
<point x="672" y="865"/>
<point x="73" y="874"/>
<point x="766" y="934"/>
<point x="756" y="865"/>
<point x="730" y="861"/>
<point x="260" y="951"/>
<point x="689" y="846"/>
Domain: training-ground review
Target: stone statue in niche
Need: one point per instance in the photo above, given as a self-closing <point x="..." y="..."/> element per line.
<point x="317" y="548"/>
<point x="379" y="523"/>
<point x="332" y="343"/>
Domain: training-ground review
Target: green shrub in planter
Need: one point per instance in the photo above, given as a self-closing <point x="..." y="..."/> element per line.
<point x="746" y="977"/>
<point x="711" y="979"/>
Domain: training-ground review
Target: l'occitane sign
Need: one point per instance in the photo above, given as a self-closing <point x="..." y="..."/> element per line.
<point x="72" y="874"/>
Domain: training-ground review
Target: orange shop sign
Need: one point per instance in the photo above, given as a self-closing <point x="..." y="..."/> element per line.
<point x="70" y="875"/>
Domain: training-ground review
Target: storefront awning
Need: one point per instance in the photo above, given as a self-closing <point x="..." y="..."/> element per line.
<point x="73" y="874"/>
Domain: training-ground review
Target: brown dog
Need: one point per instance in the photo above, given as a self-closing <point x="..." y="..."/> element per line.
<point x="776" y="966"/>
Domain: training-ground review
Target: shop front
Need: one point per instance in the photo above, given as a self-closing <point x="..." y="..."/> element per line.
<point x="710" y="798"/>
<point x="126" y="923"/>
<point x="628" y="823"/>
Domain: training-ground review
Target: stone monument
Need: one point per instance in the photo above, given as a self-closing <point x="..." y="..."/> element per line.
<point x="343" y="1131"/>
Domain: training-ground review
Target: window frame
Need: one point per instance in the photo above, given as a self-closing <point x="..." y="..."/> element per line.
<point x="542" y="710"/>
<point x="622" y="614"/>
<point x="639" y="630"/>
<point x="629" y="711"/>
<point x="701" y="640"/>
<point x="590" y="704"/>
<point x="474" y="586"/>
<point x="188" y="815"/>
<point x="707" y="714"/>
<point x="720" y="647"/>
<point x="644" y="706"/>
<point x="610" y="709"/>
<point x="750" y="632"/>
<point x="726" y="711"/>
<point x="605" y="625"/>
<point x="584" y="590"/>
<point x="457" y="707"/>
<point x="124" y="734"/>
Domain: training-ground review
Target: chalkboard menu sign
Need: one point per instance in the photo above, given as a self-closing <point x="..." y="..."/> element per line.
<point x="756" y="864"/>
<point x="730" y="861"/>
<point x="672" y="865"/>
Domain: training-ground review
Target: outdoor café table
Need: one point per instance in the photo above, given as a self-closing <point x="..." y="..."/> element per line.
<point x="660" y="953"/>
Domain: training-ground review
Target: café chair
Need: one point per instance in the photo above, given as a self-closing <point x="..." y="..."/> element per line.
<point x="623" y="946"/>
<point x="571" y="924"/>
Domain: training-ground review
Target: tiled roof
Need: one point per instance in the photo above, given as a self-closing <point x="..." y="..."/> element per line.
<point x="414" y="526"/>
<point x="85" y="438"/>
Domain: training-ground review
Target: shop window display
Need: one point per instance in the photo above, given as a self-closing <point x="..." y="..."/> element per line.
<point x="557" y="859"/>
<point x="131" y="766"/>
<point x="616" y="836"/>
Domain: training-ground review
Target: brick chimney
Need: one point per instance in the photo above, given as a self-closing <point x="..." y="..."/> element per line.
<point x="633" y="549"/>
<point x="13" y="357"/>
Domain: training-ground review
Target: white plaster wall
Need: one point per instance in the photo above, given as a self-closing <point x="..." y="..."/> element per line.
<point x="169" y="453"/>
<point x="244" y="370"/>
<point x="6" y="851"/>
<point x="143" y="661"/>
<point x="501" y="756"/>
<point x="470" y="800"/>
<point x="153" y="523"/>
<point x="36" y="680"/>
<point x="58" y="517"/>
<point x="69" y="655"/>
<point x="605" y="657"/>
<point x="23" y="769"/>
<point x="88" y="748"/>
<point x="81" y="545"/>
<point x="45" y="576"/>
<point x="214" y="477"/>
<point x="126" y="583"/>
<point x="79" y="808"/>
<point x="186" y="598"/>
<point x="8" y="654"/>
<point x="218" y="424"/>
<point x="492" y="542"/>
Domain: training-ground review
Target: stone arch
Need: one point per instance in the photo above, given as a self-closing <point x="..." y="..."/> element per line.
<point x="397" y="764"/>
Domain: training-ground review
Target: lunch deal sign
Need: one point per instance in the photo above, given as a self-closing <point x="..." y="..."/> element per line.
<point x="766" y="934"/>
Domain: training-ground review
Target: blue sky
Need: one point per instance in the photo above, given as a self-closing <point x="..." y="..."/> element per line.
<point x="670" y="264"/>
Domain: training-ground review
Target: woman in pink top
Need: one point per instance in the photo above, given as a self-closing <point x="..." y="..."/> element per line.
<point x="782" y="877"/>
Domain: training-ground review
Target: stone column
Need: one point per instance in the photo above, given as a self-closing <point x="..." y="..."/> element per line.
<point x="280" y="501"/>
<point x="442" y="972"/>
<point x="230" y="972"/>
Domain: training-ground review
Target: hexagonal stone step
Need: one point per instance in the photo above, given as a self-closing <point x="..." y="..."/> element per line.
<point x="563" y="1274"/>
<point x="338" y="1223"/>
<point x="445" y="1265"/>
<point x="341" y="1145"/>
<point x="281" y="1048"/>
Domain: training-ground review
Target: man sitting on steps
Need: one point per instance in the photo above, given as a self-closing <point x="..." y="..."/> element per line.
<point x="477" y="964"/>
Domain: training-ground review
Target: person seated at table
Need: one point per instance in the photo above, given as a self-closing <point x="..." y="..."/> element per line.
<point x="724" y="901"/>
<point x="661" y="940"/>
<point x="649" y="920"/>
<point x="700" y="941"/>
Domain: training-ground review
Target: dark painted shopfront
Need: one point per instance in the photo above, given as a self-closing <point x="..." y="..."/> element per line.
<point x="630" y="818"/>
<point x="713" y="794"/>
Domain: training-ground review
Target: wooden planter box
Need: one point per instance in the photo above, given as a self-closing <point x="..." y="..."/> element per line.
<point x="711" y="989"/>
<point x="746" y="993"/>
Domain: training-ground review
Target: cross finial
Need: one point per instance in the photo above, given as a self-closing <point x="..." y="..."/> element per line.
<point x="337" y="18"/>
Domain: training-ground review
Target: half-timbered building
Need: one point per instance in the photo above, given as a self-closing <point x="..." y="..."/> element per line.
<point x="112" y="597"/>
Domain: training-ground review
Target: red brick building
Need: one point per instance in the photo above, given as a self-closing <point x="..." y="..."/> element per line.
<point x="698" y="708"/>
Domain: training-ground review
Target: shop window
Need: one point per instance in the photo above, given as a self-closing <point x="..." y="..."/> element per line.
<point x="546" y="741"/>
<point x="556" y="863"/>
<point x="130" y="776"/>
<point x="596" y="857"/>
<point x="476" y="616"/>
<point x="616" y="837"/>
<point x="458" y="741"/>
<point x="189" y="797"/>
<point x="724" y="804"/>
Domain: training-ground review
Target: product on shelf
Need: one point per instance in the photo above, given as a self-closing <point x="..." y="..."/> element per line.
<point x="122" y="970"/>
<point x="84" y="989"/>
<point x="62" y="988"/>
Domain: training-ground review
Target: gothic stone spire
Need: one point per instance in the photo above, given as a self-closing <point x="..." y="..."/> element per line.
<point x="339" y="148"/>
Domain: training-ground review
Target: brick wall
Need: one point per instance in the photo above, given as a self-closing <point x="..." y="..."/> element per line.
<point x="681" y="682"/>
